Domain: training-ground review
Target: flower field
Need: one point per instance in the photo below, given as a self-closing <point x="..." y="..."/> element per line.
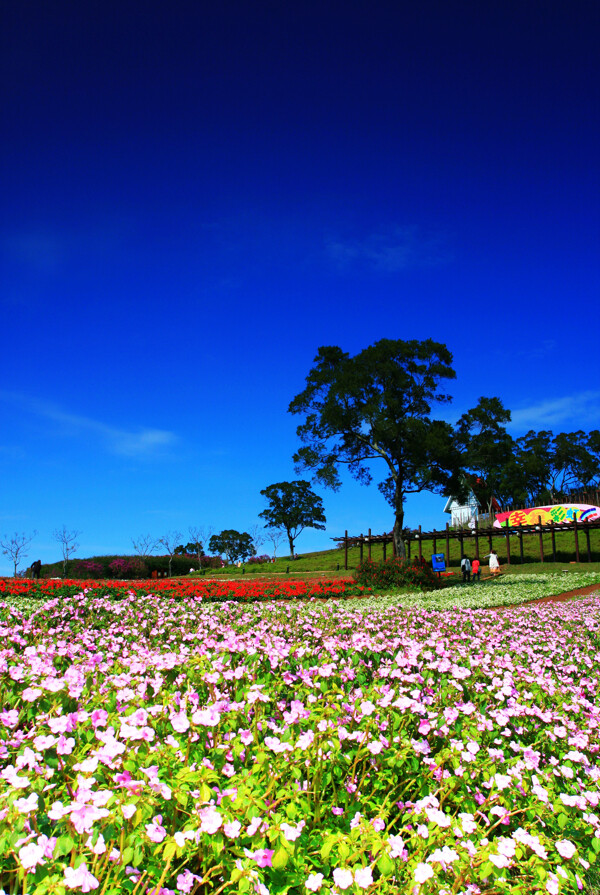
<point x="177" y="745"/>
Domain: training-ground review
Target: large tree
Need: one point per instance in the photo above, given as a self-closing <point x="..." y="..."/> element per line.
<point x="293" y="506"/>
<point x="234" y="544"/>
<point x="377" y="405"/>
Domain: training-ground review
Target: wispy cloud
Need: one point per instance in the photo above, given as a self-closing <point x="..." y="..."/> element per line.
<point x="580" y="411"/>
<point x="143" y="442"/>
<point x="399" y="249"/>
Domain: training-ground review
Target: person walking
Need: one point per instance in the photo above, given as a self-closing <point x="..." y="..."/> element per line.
<point x="465" y="567"/>
<point x="36" y="568"/>
<point x="494" y="564"/>
<point x="475" y="570"/>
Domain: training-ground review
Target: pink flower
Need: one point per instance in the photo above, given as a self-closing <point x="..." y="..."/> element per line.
<point x="80" y="879"/>
<point x="65" y="745"/>
<point x="342" y="878"/>
<point x="232" y="829"/>
<point x="246" y="737"/>
<point x="31" y="855"/>
<point x="26" y="806"/>
<point x="186" y="880"/>
<point x="314" y="882"/>
<point x="180" y="722"/>
<point x="363" y="877"/>
<point x="128" y="810"/>
<point x="30" y="694"/>
<point x="210" y="820"/>
<point x="375" y="747"/>
<point x="206" y="717"/>
<point x="565" y="848"/>
<point x="155" y="831"/>
<point x="263" y="857"/>
<point x="378" y="824"/>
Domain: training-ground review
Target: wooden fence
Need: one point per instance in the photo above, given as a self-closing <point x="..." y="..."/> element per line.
<point x="465" y="536"/>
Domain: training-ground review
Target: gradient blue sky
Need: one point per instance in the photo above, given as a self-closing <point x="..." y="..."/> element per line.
<point x="197" y="196"/>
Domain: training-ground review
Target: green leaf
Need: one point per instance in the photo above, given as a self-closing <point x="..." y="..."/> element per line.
<point x="562" y="821"/>
<point x="64" y="846"/>
<point x="280" y="858"/>
<point x="328" y="845"/>
<point x="127" y="856"/>
<point x="486" y="870"/>
<point x="385" y="865"/>
<point x="169" y="850"/>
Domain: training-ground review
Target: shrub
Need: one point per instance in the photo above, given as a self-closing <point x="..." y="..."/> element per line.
<point x="395" y="572"/>
<point x="127" y="567"/>
<point x="258" y="560"/>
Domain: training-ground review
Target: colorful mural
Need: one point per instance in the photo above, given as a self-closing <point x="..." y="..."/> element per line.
<point x="561" y="513"/>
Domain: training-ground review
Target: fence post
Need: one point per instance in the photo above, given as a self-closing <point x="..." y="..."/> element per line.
<point x="384" y="547"/>
<point x="587" y="537"/>
<point x="576" y="536"/>
<point x="394" y="551"/>
<point x="541" y="539"/>
<point x="408" y="545"/>
<point x="507" y="535"/>
<point x="434" y="542"/>
<point x="461" y="538"/>
<point x="420" y="546"/>
<point x="448" y="544"/>
<point x="369" y="545"/>
<point x="346" y="550"/>
<point x="553" y="533"/>
<point x="476" y="538"/>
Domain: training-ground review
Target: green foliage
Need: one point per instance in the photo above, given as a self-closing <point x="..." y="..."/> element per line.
<point x="395" y="573"/>
<point x="293" y="506"/>
<point x="234" y="544"/>
<point x="377" y="406"/>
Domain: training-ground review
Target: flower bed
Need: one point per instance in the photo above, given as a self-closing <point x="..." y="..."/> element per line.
<point x="177" y="746"/>
<point x="211" y="589"/>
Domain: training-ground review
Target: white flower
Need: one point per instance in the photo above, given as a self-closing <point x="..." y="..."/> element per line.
<point x="423" y="872"/>
<point x="314" y="882"/>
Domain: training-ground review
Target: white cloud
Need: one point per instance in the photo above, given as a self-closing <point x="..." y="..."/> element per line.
<point x="402" y="248"/>
<point x="142" y="442"/>
<point x="580" y="411"/>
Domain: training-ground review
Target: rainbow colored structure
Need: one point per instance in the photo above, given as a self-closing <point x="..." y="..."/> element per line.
<point x="559" y="514"/>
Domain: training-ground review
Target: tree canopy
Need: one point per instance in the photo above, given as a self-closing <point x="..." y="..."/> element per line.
<point x="377" y="405"/>
<point x="234" y="544"/>
<point x="293" y="506"/>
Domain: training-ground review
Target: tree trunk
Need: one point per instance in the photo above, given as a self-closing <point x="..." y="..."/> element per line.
<point x="291" y="540"/>
<point x="399" y="525"/>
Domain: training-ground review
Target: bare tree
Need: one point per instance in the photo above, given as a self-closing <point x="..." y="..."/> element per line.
<point x="68" y="543"/>
<point x="257" y="533"/>
<point x="275" y="536"/>
<point x="199" y="537"/>
<point x="15" y="546"/>
<point x="170" y="541"/>
<point x="144" y="545"/>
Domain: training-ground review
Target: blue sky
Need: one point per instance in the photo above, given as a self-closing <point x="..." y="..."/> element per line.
<point x="200" y="195"/>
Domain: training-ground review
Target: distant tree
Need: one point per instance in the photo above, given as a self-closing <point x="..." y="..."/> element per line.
<point x="16" y="546"/>
<point x="234" y="544"/>
<point x="68" y="544"/>
<point x="258" y="536"/>
<point x="559" y="464"/>
<point x="293" y="506"/>
<point x="275" y="536"/>
<point x="144" y="545"/>
<point x="534" y="452"/>
<point x="377" y="405"/>
<point x="169" y="542"/>
<point x="488" y="452"/>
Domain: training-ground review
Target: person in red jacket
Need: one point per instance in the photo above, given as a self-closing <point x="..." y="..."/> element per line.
<point x="475" y="570"/>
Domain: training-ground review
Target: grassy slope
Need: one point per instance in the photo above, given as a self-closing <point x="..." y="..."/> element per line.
<point x="332" y="561"/>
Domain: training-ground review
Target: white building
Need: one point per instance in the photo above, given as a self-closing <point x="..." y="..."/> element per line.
<point x="462" y="513"/>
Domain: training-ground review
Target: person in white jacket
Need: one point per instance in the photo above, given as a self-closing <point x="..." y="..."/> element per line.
<point x="465" y="567"/>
